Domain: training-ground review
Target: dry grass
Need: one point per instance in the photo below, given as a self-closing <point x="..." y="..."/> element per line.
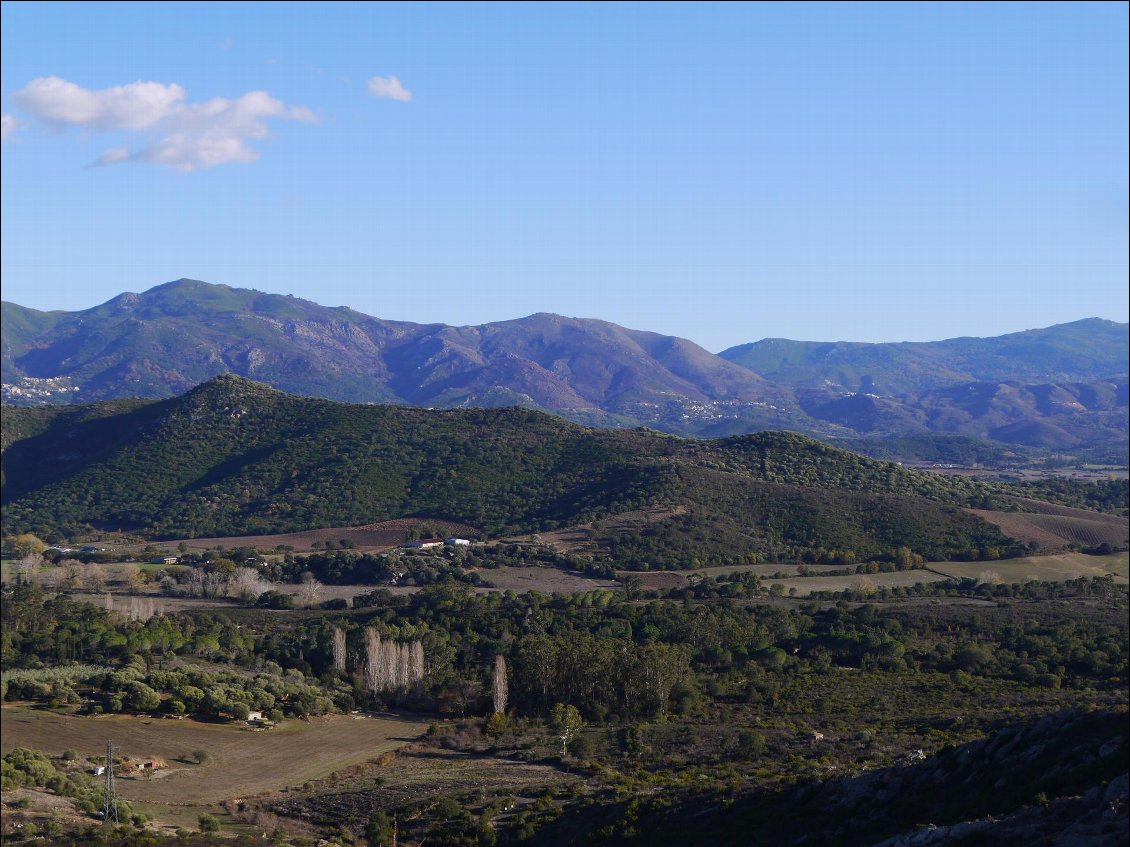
<point x="1042" y="568"/>
<point x="806" y="585"/>
<point x="241" y="762"/>
<point x="545" y="580"/>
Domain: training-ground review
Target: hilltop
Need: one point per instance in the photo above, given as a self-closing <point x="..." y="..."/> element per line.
<point x="235" y="457"/>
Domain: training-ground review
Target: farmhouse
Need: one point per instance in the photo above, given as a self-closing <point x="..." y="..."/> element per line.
<point x="130" y="766"/>
<point x="456" y="542"/>
<point x="424" y="543"/>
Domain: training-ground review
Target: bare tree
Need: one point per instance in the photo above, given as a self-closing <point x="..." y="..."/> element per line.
<point x="403" y="665"/>
<point x="339" y="648"/>
<point x="247" y="584"/>
<point x="500" y="686"/>
<point x="310" y="589"/>
<point x="72" y="572"/>
<point x="141" y="608"/>
<point x="417" y="661"/>
<point x="29" y="568"/>
<point x="108" y="602"/>
<point x="195" y="583"/>
<point x="390" y="664"/>
<point x="375" y="676"/>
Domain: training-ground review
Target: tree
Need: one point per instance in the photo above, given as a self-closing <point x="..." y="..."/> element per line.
<point x="72" y="572"/>
<point x="18" y="546"/>
<point x="310" y="590"/>
<point x="339" y="649"/>
<point x="94" y="578"/>
<point x="142" y="698"/>
<point x="500" y="687"/>
<point x="565" y="722"/>
<point x="248" y="585"/>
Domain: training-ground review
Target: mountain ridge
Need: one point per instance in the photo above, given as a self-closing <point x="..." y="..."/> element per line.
<point x="179" y="334"/>
<point x="234" y="457"/>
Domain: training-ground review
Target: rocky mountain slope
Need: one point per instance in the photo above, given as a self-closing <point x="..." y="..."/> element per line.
<point x="1083" y="351"/>
<point x="1064" y="387"/>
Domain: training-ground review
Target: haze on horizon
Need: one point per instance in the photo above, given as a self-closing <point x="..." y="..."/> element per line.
<point x="724" y="173"/>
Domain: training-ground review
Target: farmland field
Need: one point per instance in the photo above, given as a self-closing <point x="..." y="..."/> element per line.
<point x="806" y="585"/>
<point x="545" y="580"/>
<point x="1053" y="528"/>
<point x="1043" y="568"/>
<point x="242" y="762"/>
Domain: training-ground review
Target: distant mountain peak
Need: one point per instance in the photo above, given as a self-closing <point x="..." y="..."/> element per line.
<point x="185" y="332"/>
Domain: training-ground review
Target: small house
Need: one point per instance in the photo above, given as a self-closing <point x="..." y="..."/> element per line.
<point x="456" y="542"/>
<point x="424" y="543"/>
<point x="254" y="716"/>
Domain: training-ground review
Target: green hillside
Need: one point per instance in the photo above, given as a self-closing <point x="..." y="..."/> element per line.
<point x="235" y="457"/>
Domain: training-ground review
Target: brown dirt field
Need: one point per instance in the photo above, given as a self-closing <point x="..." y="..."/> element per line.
<point x="1039" y="507"/>
<point x="370" y="537"/>
<point x="243" y="762"/>
<point x="1053" y="531"/>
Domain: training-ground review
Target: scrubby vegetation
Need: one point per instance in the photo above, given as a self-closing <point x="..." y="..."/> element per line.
<point x="233" y="457"/>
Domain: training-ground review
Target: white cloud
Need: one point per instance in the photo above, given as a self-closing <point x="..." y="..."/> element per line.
<point x="185" y="136"/>
<point x="134" y="106"/>
<point x="389" y="87"/>
<point x="8" y="125"/>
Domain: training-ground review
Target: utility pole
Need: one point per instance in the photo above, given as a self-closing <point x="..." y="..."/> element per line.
<point x="110" y="806"/>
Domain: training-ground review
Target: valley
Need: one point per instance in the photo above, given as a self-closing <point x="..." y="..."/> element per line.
<point x="250" y="590"/>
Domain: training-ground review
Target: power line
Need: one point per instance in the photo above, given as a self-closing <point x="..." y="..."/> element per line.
<point x="110" y="805"/>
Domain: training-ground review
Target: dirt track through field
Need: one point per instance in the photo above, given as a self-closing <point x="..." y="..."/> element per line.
<point x="241" y="762"/>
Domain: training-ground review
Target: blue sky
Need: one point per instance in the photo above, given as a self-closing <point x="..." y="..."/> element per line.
<point x="720" y="172"/>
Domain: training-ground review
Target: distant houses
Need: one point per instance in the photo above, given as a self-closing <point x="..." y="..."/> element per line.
<point x="423" y="543"/>
<point x="430" y="543"/>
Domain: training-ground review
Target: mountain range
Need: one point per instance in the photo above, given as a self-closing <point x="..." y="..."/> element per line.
<point x="1060" y="387"/>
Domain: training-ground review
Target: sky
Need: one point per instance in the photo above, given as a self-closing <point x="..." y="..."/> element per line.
<point x="724" y="173"/>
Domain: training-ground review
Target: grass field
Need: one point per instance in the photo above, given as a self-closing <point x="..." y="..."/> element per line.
<point x="806" y="585"/>
<point x="1044" y="568"/>
<point x="545" y="580"/>
<point x="1055" y="568"/>
<point x="241" y="762"/>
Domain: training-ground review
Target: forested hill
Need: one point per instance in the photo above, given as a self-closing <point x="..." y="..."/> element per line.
<point x="235" y="457"/>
